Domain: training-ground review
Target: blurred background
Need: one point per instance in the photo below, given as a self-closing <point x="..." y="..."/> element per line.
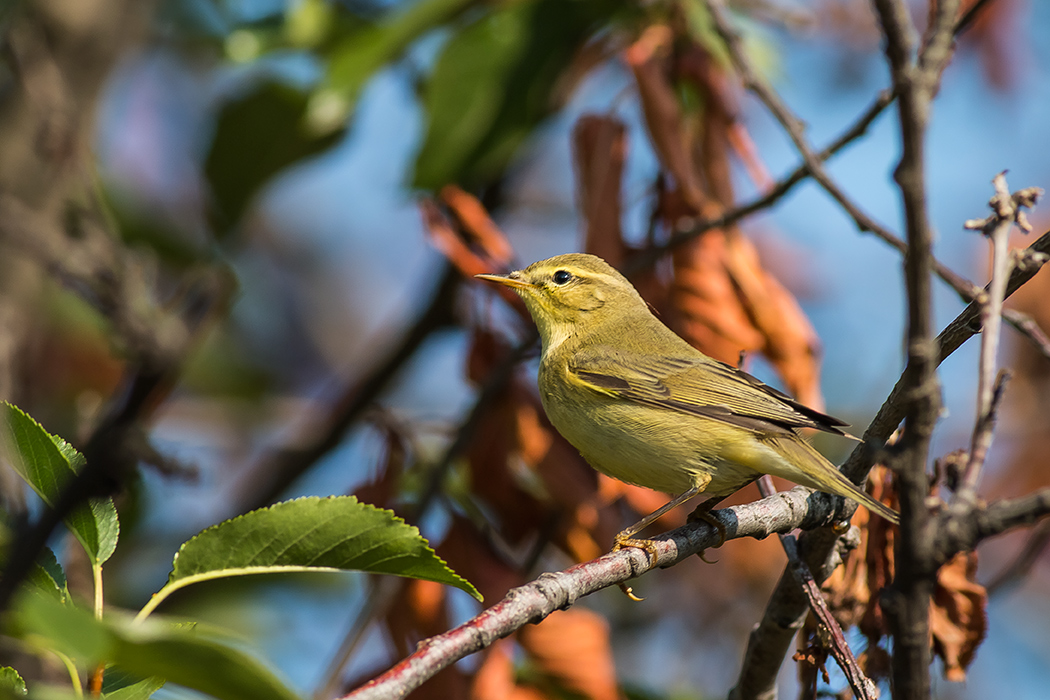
<point x="274" y="204"/>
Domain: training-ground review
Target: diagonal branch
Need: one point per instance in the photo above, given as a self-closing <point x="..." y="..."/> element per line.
<point x="787" y="607"/>
<point x="862" y="686"/>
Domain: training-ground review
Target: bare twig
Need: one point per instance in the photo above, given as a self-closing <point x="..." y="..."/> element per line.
<point x="1007" y="209"/>
<point x="907" y="601"/>
<point x="813" y="162"/>
<point x="982" y="438"/>
<point x="862" y="686"/>
<point x="1033" y="548"/>
<point x="787" y="607"/>
<point x="964" y="525"/>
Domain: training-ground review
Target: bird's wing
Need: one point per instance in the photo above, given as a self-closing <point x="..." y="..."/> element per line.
<point x="697" y="385"/>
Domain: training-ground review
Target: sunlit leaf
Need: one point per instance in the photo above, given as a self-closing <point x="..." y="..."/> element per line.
<point x="176" y="653"/>
<point x="494" y="82"/>
<point x="118" y="684"/>
<point x="46" y="576"/>
<point x="11" y="682"/>
<point x="309" y="534"/>
<point x="47" y="463"/>
<point x="355" y="59"/>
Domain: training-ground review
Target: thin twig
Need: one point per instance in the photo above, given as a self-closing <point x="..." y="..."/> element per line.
<point x="1033" y="548"/>
<point x="376" y="605"/>
<point x="962" y="526"/>
<point x="982" y="438"/>
<point x="813" y="162"/>
<point x="1007" y="209"/>
<point x="862" y="686"/>
<point x="786" y="609"/>
<point x="906" y="601"/>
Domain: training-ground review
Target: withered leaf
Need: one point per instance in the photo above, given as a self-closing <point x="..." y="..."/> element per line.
<point x="958" y="615"/>
<point x="600" y="150"/>
<point x="573" y="648"/>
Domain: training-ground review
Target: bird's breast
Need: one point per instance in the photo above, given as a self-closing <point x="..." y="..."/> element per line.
<point x="648" y="446"/>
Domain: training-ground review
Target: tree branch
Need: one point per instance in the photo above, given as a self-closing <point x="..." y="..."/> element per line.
<point x="1006" y="210"/>
<point x="786" y="609"/>
<point x="862" y="686"/>
<point x="533" y="602"/>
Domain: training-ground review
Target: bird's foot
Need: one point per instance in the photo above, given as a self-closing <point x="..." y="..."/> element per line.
<point x="702" y="513"/>
<point x="623" y="541"/>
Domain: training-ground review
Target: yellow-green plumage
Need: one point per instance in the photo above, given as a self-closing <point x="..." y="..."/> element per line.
<point x="645" y="407"/>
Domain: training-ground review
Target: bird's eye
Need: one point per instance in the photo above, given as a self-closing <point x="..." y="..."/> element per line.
<point x="561" y="277"/>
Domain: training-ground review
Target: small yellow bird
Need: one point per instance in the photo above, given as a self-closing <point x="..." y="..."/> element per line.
<point x="644" y="406"/>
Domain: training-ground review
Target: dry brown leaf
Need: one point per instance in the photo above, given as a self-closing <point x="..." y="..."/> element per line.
<point x="495" y="678"/>
<point x="600" y="150"/>
<point x="492" y="452"/>
<point x="649" y="60"/>
<point x="477" y="224"/>
<point x="789" y="340"/>
<point x="450" y="243"/>
<point x="853" y="589"/>
<point x="445" y="238"/>
<point x="710" y="314"/>
<point x="958" y="615"/>
<point x="812" y="660"/>
<point x="417" y="613"/>
<point x="572" y="647"/>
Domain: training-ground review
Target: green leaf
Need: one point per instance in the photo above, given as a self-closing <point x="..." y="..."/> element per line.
<point x="47" y="463"/>
<point x="152" y="650"/>
<point x="46" y="576"/>
<point x="257" y="136"/>
<point x="493" y="83"/>
<point x="10" y="682"/>
<point x="338" y="533"/>
<point x="354" y="60"/>
<point x="118" y="684"/>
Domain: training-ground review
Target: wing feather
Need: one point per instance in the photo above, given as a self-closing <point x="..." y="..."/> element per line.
<point x="696" y="385"/>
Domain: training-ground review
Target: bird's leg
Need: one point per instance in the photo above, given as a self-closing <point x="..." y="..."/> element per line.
<point x="626" y="538"/>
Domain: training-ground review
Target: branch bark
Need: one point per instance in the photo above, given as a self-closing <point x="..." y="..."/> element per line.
<point x="785" y="612"/>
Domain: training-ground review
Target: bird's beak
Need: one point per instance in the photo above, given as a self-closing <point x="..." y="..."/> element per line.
<point x="511" y="279"/>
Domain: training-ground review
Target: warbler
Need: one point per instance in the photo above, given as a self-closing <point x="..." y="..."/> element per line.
<point x="646" y="407"/>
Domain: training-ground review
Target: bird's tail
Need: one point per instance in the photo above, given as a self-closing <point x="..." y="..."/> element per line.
<point x="820" y="474"/>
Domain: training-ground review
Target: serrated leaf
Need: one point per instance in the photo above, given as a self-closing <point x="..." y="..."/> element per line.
<point x="493" y="83"/>
<point x="151" y="650"/>
<point x="11" y="682"/>
<point x="47" y="463"/>
<point x="338" y="533"/>
<point x="46" y="576"/>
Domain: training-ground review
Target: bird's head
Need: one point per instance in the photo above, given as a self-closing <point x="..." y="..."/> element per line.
<point x="571" y="292"/>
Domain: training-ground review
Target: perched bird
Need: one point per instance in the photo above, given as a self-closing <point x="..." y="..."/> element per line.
<point x="644" y="406"/>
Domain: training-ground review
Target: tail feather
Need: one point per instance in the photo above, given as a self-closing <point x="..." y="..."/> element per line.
<point x="811" y="469"/>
